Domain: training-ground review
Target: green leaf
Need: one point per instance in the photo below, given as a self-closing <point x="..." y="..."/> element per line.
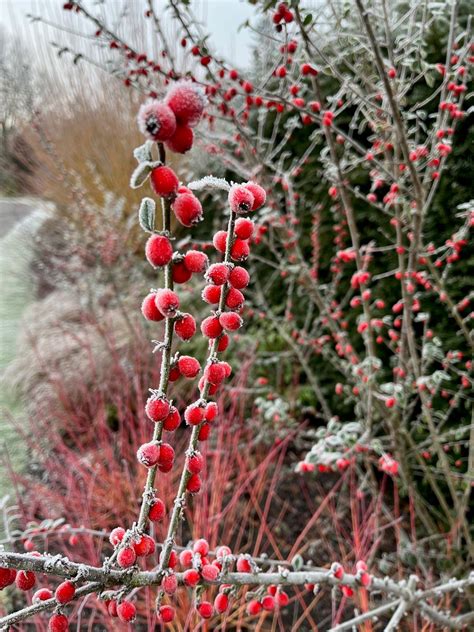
<point x="297" y="562"/>
<point x="146" y="214"/>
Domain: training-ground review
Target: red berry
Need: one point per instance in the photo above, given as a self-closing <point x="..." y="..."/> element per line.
<point x="191" y="577"/>
<point x="282" y="599"/>
<point x="186" y="558"/>
<point x="240" y="250"/>
<point x="223" y="343"/>
<point x="148" y="454"/>
<point x="158" y="250"/>
<point x="181" y="274"/>
<point x="239" y="278"/>
<point x="157" y="510"/>
<point x="149" y="309"/>
<point x="204" y="432"/>
<point x="205" y="609"/>
<point x="188" y="209"/>
<point x="187" y="100"/>
<point x="112" y="608"/>
<point x="169" y="584"/>
<point x="182" y="140"/>
<point x="25" y="580"/>
<point x="173" y="420"/>
<point x="7" y="577"/>
<point x="230" y="321"/>
<point x="218" y="273"/>
<point x="220" y="240"/>
<point x="167" y="302"/>
<point x="243" y="565"/>
<point x="244" y="228"/>
<point x="185" y="327"/>
<point x="65" y="592"/>
<point x="211" y="294"/>
<point x="201" y="546"/>
<point x="254" y="607"/>
<point x="194" y="484"/>
<point x="241" y="199"/>
<point x="196" y="261"/>
<point x="116" y="535"/>
<point x="195" y="463"/>
<point x="126" y="611"/>
<point x="194" y="414"/>
<point x="268" y="603"/>
<point x="221" y="603"/>
<point x="166" y="453"/>
<point x="211" y="327"/>
<point x="259" y="194"/>
<point x="209" y="572"/>
<point x="211" y="411"/>
<point x="214" y="373"/>
<point x="144" y="546"/>
<point x="188" y="366"/>
<point x="166" y="614"/>
<point x="234" y="299"/>
<point x="58" y="623"/>
<point x="43" y="594"/>
<point x="164" y="181"/>
<point x="156" y="120"/>
<point x="173" y="560"/>
<point x="126" y="557"/>
<point x="157" y="408"/>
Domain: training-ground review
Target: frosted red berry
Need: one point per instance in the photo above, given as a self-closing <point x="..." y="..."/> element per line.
<point x="25" y="580"/>
<point x="186" y="558"/>
<point x="196" y="261"/>
<point x="166" y="453"/>
<point x="173" y="420"/>
<point x="218" y="273"/>
<point x="167" y="301"/>
<point x="254" y="607"/>
<point x="188" y="366"/>
<point x="65" y="592"/>
<point x="126" y="611"/>
<point x="58" y="623"/>
<point x="180" y="272"/>
<point x="230" y="321"/>
<point x="169" y="584"/>
<point x="259" y="194"/>
<point x="211" y="411"/>
<point x="157" y="510"/>
<point x="7" y="577"/>
<point x="164" y="181"/>
<point x="268" y="603"/>
<point x="244" y="228"/>
<point x="182" y="140"/>
<point x="185" y="327"/>
<point x="157" y="408"/>
<point x="234" y="299"/>
<point x="211" y="294"/>
<point x="187" y="100"/>
<point x="166" y="614"/>
<point x="144" y="546"/>
<point x="158" y="250"/>
<point x="211" y="327"/>
<point x="42" y="594"/>
<point x="194" y="484"/>
<point x="148" y="454"/>
<point x="241" y="199"/>
<point x="195" y="463"/>
<point x="204" y="432"/>
<point x="221" y="603"/>
<point x="209" y="572"/>
<point x="201" y="546"/>
<point x="149" y="309"/>
<point x="187" y="209"/>
<point x="239" y="278"/>
<point x="205" y="609"/>
<point x="194" y="414"/>
<point x="214" y="373"/>
<point x="126" y="557"/>
<point x="191" y="577"/>
<point x="156" y="121"/>
<point x="240" y="250"/>
<point x="223" y="343"/>
<point x="116" y="535"/>
<point x="243" y="565"/>
<point x="220" y="240"/>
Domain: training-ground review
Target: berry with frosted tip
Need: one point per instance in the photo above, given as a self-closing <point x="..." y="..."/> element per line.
<point x="167" y="301"/>
<point x="211" y="327"/>
<point x="191" y="577"/>
<point x="230" y="321"/>
<point x="188" y="366"/>
<point x="221" y="603"/>
<point x="187" y="100"/>
<point x="42" y="594"/>
<point x="157" y="408"/>
<point x="126" y="557"/>
<point x="239" y="278"/>
<point x="116" y="535"/>
<point x="240" y="250"/>
<point x="25" y="580"/>
<point x="164" y="181"/>
<point x="185" y="326"/>
<point x="205" y="609"/>
<point x="195" y="463"/>
<point x="156" y="121"/>
<point x="194" y="484"/>
<point x="196" y="261"/>
<point x="148" y="454"/>
<point x="173" y="420"/>
<point x="166" y="614"/>
<point x="194" y="414"/>
<point x="218" y="273"/>
<point x="158" y="250"/>
<point x="187" y="209"/>
<point x="211" y="294"/>
<point x="244" y="228"/>
<point x="157" y="510"/>
<point x="234" y="299"/>
<point x="241" y="199"/>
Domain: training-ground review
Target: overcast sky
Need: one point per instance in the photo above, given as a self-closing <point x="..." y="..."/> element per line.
<point x="223" y="18"/>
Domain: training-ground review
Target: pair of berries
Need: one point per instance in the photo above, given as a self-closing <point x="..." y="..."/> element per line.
<point x="153" y="453"/>
<point x="163" y="303"/>
<point x="187" y="366"/>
